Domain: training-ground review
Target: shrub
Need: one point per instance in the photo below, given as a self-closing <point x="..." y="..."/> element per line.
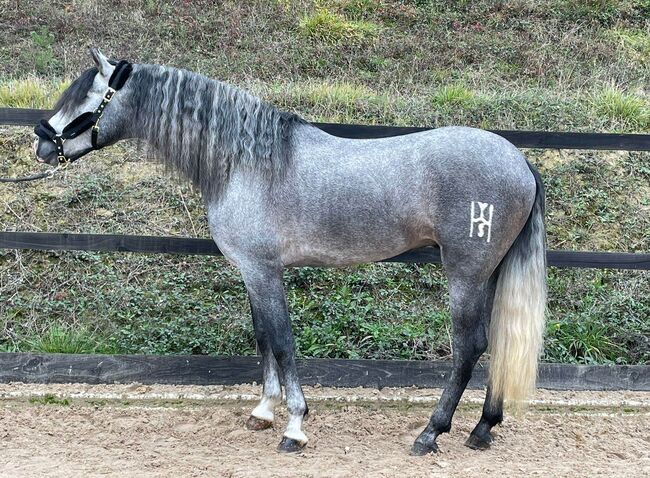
<point x="41" y="51"/>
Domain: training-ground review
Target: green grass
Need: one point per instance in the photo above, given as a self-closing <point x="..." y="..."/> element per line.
<point x="49" y="399"/>
<point x="331" y="28"/>
<point x="604" y="12"/>
<point x="359" y="9"/>
<point x="67" y="340"/>
<point x="32" y="92"/>
<point x="329" y="94"/>
<point x="581" y="339"/>
<point x="453" y="95"/>
<point x="635" y="43"/>
<point x="630" y="109"/>
<point x="336" y="101"/>
<point x="448" y="104"/>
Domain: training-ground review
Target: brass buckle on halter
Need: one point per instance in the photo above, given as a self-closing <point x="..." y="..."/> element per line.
<point x="109" y="94"/>
<point x="58" y="142"/>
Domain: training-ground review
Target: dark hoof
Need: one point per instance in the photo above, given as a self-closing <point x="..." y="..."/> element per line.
<point x="479" y="443"/>
<point x="420" y="449"/>
<point x="257" y="424"/>
<point x="289" y="445"/>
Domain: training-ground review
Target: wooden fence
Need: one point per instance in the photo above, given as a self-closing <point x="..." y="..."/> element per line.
<point x="205" y="370"/>
<point x="46" y="368"/>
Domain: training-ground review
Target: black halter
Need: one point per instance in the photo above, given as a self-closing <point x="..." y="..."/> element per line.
<point x="84" y="121"/>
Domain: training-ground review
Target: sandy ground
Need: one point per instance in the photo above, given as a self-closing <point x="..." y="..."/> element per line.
<point x="137" y="430"/>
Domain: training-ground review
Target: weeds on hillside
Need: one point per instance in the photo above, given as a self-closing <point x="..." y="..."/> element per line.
<point x="332" y="28"/>
<point x="633" y="111"/>
<point x="41" y="51"/>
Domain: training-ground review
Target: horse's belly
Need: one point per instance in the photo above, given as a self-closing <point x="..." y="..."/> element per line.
<point x="338" y="258"/>
<point x="344" y="247"/>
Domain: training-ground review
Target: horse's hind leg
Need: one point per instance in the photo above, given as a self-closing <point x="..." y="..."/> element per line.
<point x="470" y="308"/>
<point x="481" y="438"/>
<point x="262" y="415"/>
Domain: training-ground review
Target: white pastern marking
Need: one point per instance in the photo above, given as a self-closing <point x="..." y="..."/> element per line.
<point x="264" y="410"/>
<point x="294" y="429"/>
<point x="483" y="222"/>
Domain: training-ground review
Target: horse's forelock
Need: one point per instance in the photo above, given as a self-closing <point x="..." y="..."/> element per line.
<point x="76" y="92"/>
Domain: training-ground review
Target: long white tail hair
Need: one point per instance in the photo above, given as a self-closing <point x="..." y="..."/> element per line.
<point x="517" y="323"/>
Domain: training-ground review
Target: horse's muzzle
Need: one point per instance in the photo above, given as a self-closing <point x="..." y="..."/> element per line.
<point x="45" y="153"/>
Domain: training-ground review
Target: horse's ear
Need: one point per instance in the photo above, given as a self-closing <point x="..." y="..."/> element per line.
<point x="102" y="63"/>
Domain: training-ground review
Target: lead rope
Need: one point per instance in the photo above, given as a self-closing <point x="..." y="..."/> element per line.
<point x="33" y="177"/>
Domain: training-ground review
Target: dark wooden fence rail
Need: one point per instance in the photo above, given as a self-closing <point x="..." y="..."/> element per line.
<point x="204" y="370"/>
<point x="187" y="245"/>
<point x="56" y="368"/>
<point x="522" y="139"/>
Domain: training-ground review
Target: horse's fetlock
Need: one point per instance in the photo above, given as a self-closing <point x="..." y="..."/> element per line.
<point x="440" y="427"/>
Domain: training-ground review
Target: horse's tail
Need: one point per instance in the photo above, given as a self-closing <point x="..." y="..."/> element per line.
<point x="517" y="323"/>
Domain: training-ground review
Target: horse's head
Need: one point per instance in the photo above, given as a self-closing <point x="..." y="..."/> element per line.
<point x="91" y="99"/>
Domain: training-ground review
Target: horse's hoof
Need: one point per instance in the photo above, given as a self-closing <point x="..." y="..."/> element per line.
<point x="421" y="449"/>
<point x="289" y="445"/>
<point x="479" y="443"/>
<point x="257" y="424"/>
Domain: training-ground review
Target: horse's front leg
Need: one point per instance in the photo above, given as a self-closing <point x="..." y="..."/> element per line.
<point x="262" y="415"/>
<point x="269" y="308"/>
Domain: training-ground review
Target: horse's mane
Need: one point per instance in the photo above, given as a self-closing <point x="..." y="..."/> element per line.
<point x="201" y="128"/>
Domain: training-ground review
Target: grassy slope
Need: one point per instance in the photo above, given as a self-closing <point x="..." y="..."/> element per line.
<point x="558" y="65"/>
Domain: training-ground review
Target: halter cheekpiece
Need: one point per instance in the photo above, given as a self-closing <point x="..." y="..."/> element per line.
<point x="84" y="121"/>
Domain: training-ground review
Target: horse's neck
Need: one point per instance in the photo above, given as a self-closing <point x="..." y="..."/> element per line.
<point x="204" y="129"/>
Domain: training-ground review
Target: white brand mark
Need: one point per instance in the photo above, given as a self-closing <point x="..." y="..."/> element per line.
<point x="481" y="220"/>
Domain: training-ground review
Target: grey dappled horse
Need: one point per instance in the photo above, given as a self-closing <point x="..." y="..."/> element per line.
<point x="280" y="193"/>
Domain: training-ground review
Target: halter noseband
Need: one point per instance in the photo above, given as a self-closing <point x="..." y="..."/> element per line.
<point x="84" y="121"/>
